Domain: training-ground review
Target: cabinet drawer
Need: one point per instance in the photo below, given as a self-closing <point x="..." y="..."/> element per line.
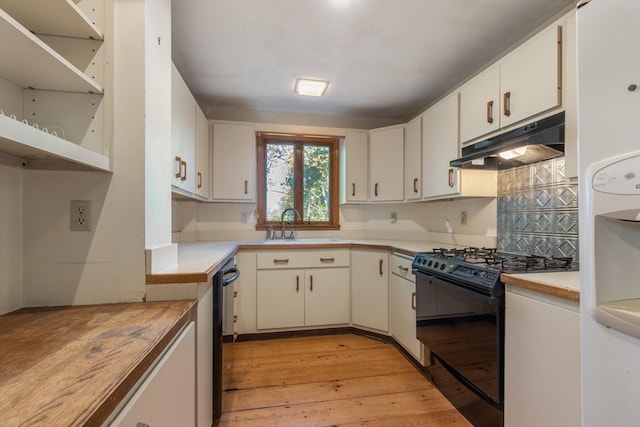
<point x="303" y="259"/>
<point x="401" y="266"/>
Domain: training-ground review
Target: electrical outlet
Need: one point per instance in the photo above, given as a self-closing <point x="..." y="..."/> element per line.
<point x="394" y="217"/>
<point x="463" y="218"/>
<point x="80" y="215"/>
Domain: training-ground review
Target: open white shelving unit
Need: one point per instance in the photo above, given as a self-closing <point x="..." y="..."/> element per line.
<point x="53" y="87"/>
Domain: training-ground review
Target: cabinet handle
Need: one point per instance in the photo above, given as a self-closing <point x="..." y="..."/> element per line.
<point x="413" y="300"/>
<point x="235" y="294"/>
<point x="506" y="102"/>
<point x="375" y="191"/>
<point x="297" y="283"/>
<point x="139" y="424"/>
<point x="179" y="164"/>
<point x="235" y="318"/>
<point x="311" y="283"/>
<point x="381" y="273"/>
<point x="246" y="186"/>
<point x="451" y="183"/>
<point x="490" y="112"/>
<point x="415" y="185"/>
<point x="353" y="189"/>
<point x="199" y="179"/>
<point x="281" y="260"/>
<point x="327" y="259"/>
<point x="403" y="268"/>
<point x="184" y="175"/>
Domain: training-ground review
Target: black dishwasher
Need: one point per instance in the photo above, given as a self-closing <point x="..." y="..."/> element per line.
<point x="224" y="277"/>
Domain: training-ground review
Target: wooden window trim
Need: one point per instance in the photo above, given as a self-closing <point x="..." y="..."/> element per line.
<point x="334" y="209"/>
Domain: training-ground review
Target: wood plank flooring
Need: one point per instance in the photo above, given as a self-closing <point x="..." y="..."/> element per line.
<point x="336" y="380"/>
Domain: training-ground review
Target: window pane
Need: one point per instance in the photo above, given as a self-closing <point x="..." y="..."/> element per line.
<point x="279" y="179"/>
<point x="316" y="183"/>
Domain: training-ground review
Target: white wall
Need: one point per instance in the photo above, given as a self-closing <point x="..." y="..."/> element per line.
<point x="10" y="239"/>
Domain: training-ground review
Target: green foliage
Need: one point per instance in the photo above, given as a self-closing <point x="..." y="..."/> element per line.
<point x="281" y="173"/>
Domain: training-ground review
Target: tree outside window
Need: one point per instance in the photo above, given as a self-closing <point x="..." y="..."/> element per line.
<point x="298" y="171"/>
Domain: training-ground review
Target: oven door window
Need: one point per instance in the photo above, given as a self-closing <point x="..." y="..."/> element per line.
<point x="462" y="328"/>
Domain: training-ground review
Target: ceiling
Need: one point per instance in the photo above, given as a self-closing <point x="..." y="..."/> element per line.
<point x="384" y="58"/>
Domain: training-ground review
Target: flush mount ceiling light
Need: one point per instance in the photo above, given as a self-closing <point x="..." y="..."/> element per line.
<point x="311" y="87"/>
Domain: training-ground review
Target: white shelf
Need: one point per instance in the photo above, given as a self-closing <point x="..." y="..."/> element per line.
<point x="45" y="150"/>
<point x="52" y="17"/>
<point x="28" y="62"/>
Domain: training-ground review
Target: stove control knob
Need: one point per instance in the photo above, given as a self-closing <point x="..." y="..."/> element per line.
<point x="443" y="266"/>
<point x="436" y="264"/>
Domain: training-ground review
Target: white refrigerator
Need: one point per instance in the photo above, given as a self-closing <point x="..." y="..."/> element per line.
<point x="608" y="43"/>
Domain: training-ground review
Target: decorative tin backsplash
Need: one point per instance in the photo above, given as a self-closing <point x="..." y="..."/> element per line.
<point x="537" y="211"/>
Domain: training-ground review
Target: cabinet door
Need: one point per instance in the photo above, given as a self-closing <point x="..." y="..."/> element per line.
<point x="353" y="159"/>
<point x="440" y="146"/>
<point x="480" y="104"/>
<point x="413" y="159"/>
<point x="542" y="363"/>
<point x="370" y="289"/>
<point x="402" y="315"/>
<point x="234" y="161"/>
<point x="530" y="77"/>
<point x="183" y="133"/>
<point x="167" y="395"/>
<point x="386" y="164"/>
<point x="202" y="154"/>
<point x="280" y="298"/>
<point x="326" y="296"/>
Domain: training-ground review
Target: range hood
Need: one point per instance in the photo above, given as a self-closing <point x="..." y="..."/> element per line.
<point x="534" y="142"/>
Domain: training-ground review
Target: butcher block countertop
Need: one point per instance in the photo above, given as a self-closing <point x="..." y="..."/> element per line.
<point x="71" y="366"/>
<point x="564" y="284"/>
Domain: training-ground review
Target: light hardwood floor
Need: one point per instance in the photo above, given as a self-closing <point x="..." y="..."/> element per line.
<point x="337" y="380"/>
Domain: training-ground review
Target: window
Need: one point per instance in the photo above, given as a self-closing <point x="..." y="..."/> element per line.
<point x="298" y="171"/>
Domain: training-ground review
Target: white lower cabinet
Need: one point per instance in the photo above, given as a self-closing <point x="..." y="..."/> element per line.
<point x="167" y="395"/>
<point x="370" y="289"/>
<point x="288" y="296"/>
<point x="402" y="307"/>
<point x="542" y="360"/>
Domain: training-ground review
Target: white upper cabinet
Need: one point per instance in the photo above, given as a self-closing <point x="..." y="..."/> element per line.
<point x="354" y="151"/>
<point x="183" y="134"/>
<point x="413" y="159"/>
<point x="525" y="83"/>
<point x="440" y="146"/>
<point x="386" y="158"/>
<point x="202" y="155"/>
<point x="51" y="75"/>
<point x="234" y="161"/>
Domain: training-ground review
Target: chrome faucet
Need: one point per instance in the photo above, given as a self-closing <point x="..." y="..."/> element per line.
<point x="284" y="212"/>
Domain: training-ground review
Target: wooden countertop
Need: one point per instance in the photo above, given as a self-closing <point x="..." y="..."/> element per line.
<point x="71" y="366"/>
<point x="199" y="261"/>
<point x="564" y="284"/>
